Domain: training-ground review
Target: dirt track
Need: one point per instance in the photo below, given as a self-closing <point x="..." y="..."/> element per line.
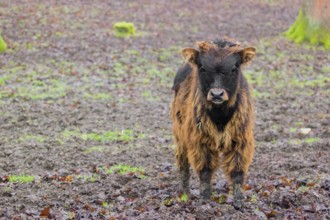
<point x="77" y="104"/>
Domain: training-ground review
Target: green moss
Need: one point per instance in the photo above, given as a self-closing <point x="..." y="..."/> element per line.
<point x="304" y="31"/>
<point x="3" y="45"/>
<point x="124" y="29"/>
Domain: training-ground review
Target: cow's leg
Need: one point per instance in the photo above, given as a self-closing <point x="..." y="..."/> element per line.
<point x="205" y="176"/>
<point x="183" y="165"/>
<point x="237" y="178"/>
<point x="205" y="163"/>
<point x="235" y="164"/>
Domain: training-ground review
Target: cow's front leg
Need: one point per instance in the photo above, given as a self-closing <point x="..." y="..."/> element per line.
<point x="237" y="178"/>
<point x="183" y="164"/>
<point x="205" y="176"/>
<point x="235" y="165"/>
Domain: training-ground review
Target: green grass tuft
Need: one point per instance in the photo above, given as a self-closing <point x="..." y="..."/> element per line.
<point x="123" y="135"/>
<point x="94" y="149"/>
<point x="37" y="138"/>
<point x="184" y="198"/>
<point x="312" y="140"/>
<point x="125" y="169"/>
<point x="21" y="178"/>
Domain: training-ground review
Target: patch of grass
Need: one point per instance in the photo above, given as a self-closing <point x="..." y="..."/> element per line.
<point x="21" y="178"/>
<point x="312" y="140"/>
<point x="293" y="130"/>
<point x="124" y="29"/>
<point x="3" y="45"/>
<point x="326" y="69"/>
<point x="299" y="123"/>
<point x="295" y="141"/>
<point x="168" y="202"/>
<point x="89" y="178"/>
<point x="303" y="189"/>
<point x="184" y="198"/>
<point x="222" y="199"/>
<point x="125" y="169"/>
<point x="94" y="149"/>
<point x="37" y="138"/>
<point x="253" y="198"/>
<point x="98" y="96"/>
<point x="149" y="96"/>
<point x="3" y="80"/>
<point x="43" y="90"/>
<point x="123" y="135"/>
<point x="258" y="94"/>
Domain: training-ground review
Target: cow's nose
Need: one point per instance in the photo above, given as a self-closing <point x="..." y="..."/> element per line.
<point x="217" y="93"/>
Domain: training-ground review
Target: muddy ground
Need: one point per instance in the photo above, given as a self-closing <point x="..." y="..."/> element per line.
<point x="85" y="131"/>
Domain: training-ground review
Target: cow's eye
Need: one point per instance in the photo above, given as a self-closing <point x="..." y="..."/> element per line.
<point x="234" y="69"/>
<point x="201" y="69"/>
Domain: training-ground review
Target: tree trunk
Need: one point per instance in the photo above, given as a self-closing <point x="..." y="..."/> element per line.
<point x="312" y="24"/>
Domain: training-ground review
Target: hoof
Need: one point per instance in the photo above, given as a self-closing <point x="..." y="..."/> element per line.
<point x="205" y="195"/>
<point x="238" y="197"/>
<point x="184" y="190"/>
<point x="238" y="204"/>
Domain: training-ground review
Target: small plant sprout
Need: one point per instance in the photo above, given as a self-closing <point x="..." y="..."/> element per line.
<point x="184" y="198"/>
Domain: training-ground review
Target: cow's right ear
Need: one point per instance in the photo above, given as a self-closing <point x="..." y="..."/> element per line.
<point x="190" y="55"/>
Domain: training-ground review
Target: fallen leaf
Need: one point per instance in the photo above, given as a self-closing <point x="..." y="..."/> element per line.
<point x="45" y="212"/>
<point x="271" y="214"/>
<point x="246" y="187"/>
<point x="265" y="193"/>
<point x="68" y="179"/>
<point x="89" y="208"/>
<point x="311" y="184"/>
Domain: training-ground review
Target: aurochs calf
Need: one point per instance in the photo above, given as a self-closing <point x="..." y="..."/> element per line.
<point x="212" y="115"/>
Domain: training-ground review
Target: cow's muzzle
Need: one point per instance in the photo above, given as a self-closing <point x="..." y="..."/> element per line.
<point x="217" y="96"/>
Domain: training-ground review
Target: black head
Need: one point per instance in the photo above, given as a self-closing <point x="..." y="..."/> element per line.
<point x="219" y="68"/>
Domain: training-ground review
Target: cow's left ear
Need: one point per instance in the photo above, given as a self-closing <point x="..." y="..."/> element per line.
<point x="247" y="54"/>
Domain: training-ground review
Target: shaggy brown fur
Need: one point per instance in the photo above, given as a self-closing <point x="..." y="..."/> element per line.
<point x="199" y="142"/>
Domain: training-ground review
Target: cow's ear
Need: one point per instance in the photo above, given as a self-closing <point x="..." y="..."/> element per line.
<point x="247" y="54"/>
<point x="190" y="55"/>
